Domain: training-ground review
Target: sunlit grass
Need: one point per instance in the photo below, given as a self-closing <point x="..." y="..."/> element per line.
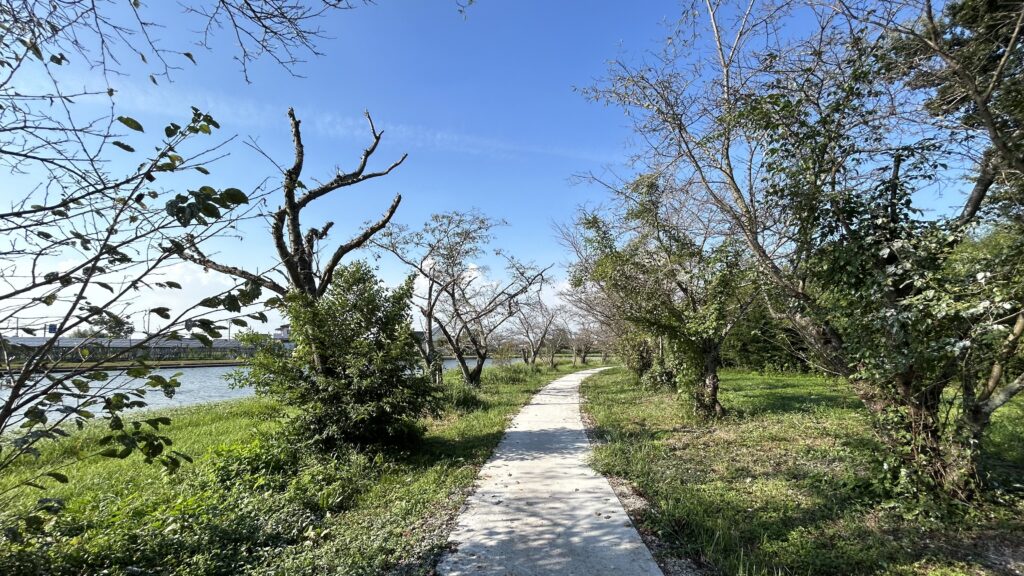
<point x="783" y="485"/>
<point x="397" y="521"/>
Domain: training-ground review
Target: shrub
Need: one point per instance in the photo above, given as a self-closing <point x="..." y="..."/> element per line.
<point x="636" y="352"/>
<point x="459" y="397"/>
<point x="659" y="377"/>
<point x="234" y="512"/>
<point x="354" y="373"/>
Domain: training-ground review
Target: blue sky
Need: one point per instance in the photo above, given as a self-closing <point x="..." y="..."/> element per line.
<point x="483" y="102"/>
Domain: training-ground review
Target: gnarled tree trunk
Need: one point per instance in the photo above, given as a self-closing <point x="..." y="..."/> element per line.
<point x="705" y="394"/>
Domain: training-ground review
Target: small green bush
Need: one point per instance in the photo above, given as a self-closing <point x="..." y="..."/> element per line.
<point x="354" y="373"/>
<point x="636" y="351"/>
<point x="659" y="377"/>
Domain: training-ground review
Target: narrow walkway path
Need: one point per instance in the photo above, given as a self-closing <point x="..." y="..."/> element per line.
<point x="539" y="509"/>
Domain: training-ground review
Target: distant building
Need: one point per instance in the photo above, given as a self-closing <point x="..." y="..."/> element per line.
<point x="127" y="348"/>
<point x="437" y="334"/>
<point x="283" y="332"/>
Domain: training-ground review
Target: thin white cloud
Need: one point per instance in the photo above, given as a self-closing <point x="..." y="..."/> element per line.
<point x="427" y="137"/>
<point x="234" y="112"/>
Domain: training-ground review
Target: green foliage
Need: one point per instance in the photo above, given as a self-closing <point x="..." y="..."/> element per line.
<point x="659" y="377"/>
<point x="106" y="325"/>
<point x="509" y="374"/>
<point x="353" y="374"/>
<point x="689" y="288"/>
<point x="256" y="503"/>
<point x="636" y="351"/>
<point x="787" y="483"/>
<point x="457" y="396"/>
<point x="924" y="328"/>
<point x="979" y="40"/>
<point x="114" y="237"/>
<point x="764" y="343"/>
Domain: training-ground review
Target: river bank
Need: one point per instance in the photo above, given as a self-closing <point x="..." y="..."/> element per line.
<point x="354" y="513"/>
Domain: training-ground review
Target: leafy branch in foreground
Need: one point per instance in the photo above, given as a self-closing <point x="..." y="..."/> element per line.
<point x="83" y="263"/>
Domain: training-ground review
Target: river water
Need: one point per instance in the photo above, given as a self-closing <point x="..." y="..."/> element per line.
<point x="201" y="385"/>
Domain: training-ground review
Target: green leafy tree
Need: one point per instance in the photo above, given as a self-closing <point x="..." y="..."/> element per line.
<point x="689" y="287"/>
<point x="930" y="335"/>
<point x="815" y="153"/>
<point x="364" y="386"/>
<point x="762" y="340"/>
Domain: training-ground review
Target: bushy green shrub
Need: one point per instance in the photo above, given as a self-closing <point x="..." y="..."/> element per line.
<point x="354" y="373"/>
<point x="636" y="351"/>
<point x="764" y="343"/>
<point x="659" y="377"/>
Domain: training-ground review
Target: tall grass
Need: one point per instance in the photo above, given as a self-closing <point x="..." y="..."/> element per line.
<point x="784" y="485"/>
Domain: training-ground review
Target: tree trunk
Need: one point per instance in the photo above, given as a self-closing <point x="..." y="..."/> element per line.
<point x="467" y="372"/>
<point x="472" y="375"/>
<point x="435" y="367"/>
<point x="433" y="362"/>
<point x="705" y="395"/>
<point x="912" y="426"/>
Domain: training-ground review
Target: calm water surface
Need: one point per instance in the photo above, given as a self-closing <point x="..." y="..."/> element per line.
<point x="198" y="386"/>
<point x="201" y="385"/>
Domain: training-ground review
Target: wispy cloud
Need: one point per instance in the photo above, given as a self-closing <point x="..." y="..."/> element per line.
<point x="248" y="115"/>
<point x="433" y="138"/>
<point x="237" y="114"/>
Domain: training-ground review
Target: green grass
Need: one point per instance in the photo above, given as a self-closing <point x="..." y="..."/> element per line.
<point x="245" y="508"/>
<point x="783" y="485"/>
<point x="196" y="430"/>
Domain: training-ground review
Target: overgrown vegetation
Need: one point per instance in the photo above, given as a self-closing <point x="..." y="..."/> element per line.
<point x="255" y="504"/>
<point x="671" y="275"/>
<point x="788" y="483"/>
<point x="818" y="137"/>
<point x="353" y="375"/>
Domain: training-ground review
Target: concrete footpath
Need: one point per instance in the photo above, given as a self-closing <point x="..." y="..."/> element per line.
<point x="539" y="508"/>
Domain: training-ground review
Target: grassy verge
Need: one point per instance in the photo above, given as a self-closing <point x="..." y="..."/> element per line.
<point x="782" y="486"/>
<point x="246" y="508"/>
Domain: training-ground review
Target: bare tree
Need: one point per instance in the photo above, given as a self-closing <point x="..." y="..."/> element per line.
<point x="434" y="253"/>
<point x="298" y="251"/>
<point x="558" y="336"/>
<point x="533" y="323"/>
<point x="457" y="299"/>
<point x="582" y="339"/>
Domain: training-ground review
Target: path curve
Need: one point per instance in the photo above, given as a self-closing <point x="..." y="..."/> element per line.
<point x="539" y="509"/>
